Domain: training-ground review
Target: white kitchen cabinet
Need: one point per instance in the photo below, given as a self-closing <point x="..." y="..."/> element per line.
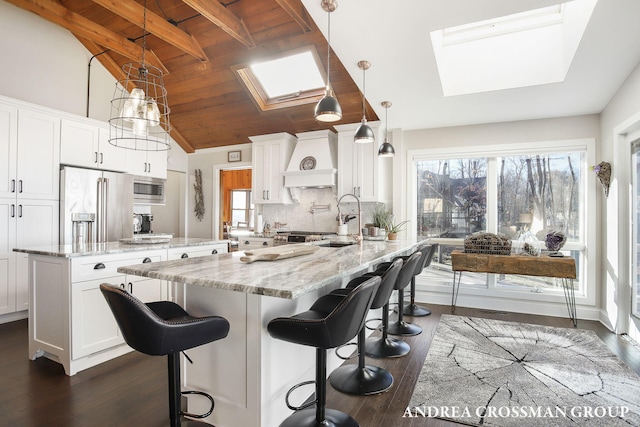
<point x="29" y="153"/>
<point x="85" y="143"/>
<point x="146" y="163"/>
<point x="197" y="251"/>
<point x="7" y="257"/>
<point x="360" y="170"/>
<point x="270" y="157"/>
<point x="144" y="288"/>
<point x="246" y="243"/>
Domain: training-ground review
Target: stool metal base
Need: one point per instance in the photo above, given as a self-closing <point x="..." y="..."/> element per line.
<point x="307" y="418"/>
<point x="404" y="328"/>
<point x="386" y="347"/>
<point x="352" y="379"/>
<point x="415" y="311"/>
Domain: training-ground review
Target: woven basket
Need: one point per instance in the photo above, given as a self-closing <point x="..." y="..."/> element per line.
<point x="487" y="243"/>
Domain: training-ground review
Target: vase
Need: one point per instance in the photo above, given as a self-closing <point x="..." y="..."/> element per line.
<point x="392" y="236"/>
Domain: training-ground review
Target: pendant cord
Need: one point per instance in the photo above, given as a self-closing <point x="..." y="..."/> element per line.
<point x="328" y="50"/>
<point x="364" y="88"/>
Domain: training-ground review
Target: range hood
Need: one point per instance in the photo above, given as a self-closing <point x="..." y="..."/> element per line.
<point x="313" y="161"/>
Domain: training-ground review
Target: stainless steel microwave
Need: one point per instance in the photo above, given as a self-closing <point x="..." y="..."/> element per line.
<point x="148" y="191"/>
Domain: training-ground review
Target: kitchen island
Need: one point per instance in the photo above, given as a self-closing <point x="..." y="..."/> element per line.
<point x="248" y="373"/>
<point x="69" y="319"/>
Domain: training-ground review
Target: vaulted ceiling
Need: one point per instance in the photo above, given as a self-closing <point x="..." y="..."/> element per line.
<point x="199" y="43"/>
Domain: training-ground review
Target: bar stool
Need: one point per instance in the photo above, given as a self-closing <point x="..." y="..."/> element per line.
<point x="400" y="327"/>
<point x="384" y="346"/>
<point x="330" y="322"/>
<point x="364" y="379"/>
<point x="164" y="328"/>
<point x="412" y="309"/>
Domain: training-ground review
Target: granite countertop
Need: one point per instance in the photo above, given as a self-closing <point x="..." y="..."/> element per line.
<point x="286" y="278"/>
<point x="70" y="251"/>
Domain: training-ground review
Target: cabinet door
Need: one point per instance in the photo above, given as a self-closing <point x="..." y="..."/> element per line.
<point x="37" y="222"/>
<point x="8" y="147"/>
<point x="147" y="290"/>
<point x="110" y="157"/>
<point x="136" y="162"/>
<point x="79" y="144"/>
<point x="38" y="161"/>
<point x="367" y="170"/>
<point x="347" y="167"/>
<point x="274" y="171"/>
<point x="157" y="164"/>
<point x="259" y="174"/>
<point x="7" y="257"/>
<point x="93" y="327"/>
<point x="22" y="281"/>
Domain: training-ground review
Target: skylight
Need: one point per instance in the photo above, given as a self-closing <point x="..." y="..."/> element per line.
<point x="524" y="49"/>
<point x="288" y="75"/>
<point x="288" y="80"/>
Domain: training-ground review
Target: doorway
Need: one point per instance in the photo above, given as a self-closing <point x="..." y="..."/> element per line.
<point x="237" y="209"/>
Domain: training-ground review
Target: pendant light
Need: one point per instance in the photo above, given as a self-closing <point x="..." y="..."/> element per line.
<point x="140" y="120"/>
<point x="328" y="108"/>
<point x="386" y="149"/>
<point x="364" y="134"/>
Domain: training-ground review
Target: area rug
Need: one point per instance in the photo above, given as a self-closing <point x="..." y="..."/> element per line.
<point x="496" y="373"/>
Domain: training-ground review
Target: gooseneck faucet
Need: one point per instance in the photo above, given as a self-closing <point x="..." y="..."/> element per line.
<point x="357" y="237"/>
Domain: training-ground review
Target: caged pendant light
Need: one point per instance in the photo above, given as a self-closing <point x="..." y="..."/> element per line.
<point x="364" y="134"/>
<point x="140" y="120"/>
<point x="386" y="149"/>
<point x="328" y="108"/>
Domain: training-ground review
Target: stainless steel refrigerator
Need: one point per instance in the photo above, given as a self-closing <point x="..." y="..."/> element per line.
<point x="102" y="200"/>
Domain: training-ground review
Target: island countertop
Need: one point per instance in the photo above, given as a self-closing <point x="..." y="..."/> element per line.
<point x="286" y="278"/>
<point x="71" y="251"/>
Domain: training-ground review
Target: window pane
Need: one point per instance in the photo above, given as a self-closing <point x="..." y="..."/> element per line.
<point x="540" y="193"/>
<point x="238" y="200"/>
<point x="635" y="203"/>
<point x="452" y="197"/>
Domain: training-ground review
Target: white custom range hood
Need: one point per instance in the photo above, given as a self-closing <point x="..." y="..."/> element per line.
<point x="313" y="161"/>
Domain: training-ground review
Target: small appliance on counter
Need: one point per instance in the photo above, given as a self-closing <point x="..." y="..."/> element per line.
<point x="142" y="223"/>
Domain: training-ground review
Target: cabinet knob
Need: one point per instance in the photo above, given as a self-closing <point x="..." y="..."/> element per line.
<point x="213" y="252"/>
<point x="99" y="266"/>
<point x="265" y="243"/>
<point x="184" y="256"/>
<point x="246" y="242"/>
<point x="146" y="260"/>
<point x="130" y="287"/>
<point x="13" y="185"/>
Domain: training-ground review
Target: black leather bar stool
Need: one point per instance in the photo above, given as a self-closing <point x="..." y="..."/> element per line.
<point x="385" y="346"/>
<point x="412" y="309"/>
<point x="330" y="322"/>
<point x="164" y="328"/>
<point x="364" y="379"/>
<point x="400" y="327"/>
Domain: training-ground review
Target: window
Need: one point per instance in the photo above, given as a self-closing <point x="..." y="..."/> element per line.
<point x="241" y="208"/>
<point x="510" y="190"/>
<point x="292" y="79"/>
<point x="635" y="203"/>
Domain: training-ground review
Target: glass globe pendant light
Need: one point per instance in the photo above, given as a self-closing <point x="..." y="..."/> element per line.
<point x="364" y="134"/>
<point x="328" y="108"/>
<point x="386" y="149"/>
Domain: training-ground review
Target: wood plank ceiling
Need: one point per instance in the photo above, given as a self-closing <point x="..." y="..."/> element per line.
<point x="199" y="43"/>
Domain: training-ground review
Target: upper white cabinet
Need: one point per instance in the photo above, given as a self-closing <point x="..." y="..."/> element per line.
<point x="360" y="170"/>
<point x="147" y="163"/>
<point x="29" y="153"/>
<point x="86" y="143"/>
<point x="271" y="155"/>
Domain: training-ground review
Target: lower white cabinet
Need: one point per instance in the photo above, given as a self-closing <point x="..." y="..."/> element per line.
<point x="70" y="321"/>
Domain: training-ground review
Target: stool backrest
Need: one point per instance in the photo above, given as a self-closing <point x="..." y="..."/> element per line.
<point x="407" y="270"/>
<point x="348" y="317"/>
<point x="389" y="278"/>
<point x="427" y="255"/>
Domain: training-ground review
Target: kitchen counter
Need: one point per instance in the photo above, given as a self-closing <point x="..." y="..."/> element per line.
<point x="248" y="373"/>
<point x="71" y="251"/>
<point x="287" y="278"/>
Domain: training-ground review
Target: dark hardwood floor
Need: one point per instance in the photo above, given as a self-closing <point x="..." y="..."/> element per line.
<point x="132" y="390"/>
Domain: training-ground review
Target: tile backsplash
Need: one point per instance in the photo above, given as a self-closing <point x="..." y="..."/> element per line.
<point x="298" y="217"/>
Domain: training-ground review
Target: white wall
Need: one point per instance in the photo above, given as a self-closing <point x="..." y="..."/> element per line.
<point x="46" y="65"/>
<point x="621" y="115"/>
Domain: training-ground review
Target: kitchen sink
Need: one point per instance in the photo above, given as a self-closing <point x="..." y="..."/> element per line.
<point x="337" y="244"/>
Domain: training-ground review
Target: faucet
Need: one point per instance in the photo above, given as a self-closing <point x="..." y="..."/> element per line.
<point x="357" y="237"/>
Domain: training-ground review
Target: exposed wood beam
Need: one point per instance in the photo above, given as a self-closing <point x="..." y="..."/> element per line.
<point x="106" y="61"/>
<point x="296" y="10"/>
<point x="220" y="16"/>
<point x="83" y="27"/>
<point x="181" y="140"/>
<point x="155" y="24"/>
